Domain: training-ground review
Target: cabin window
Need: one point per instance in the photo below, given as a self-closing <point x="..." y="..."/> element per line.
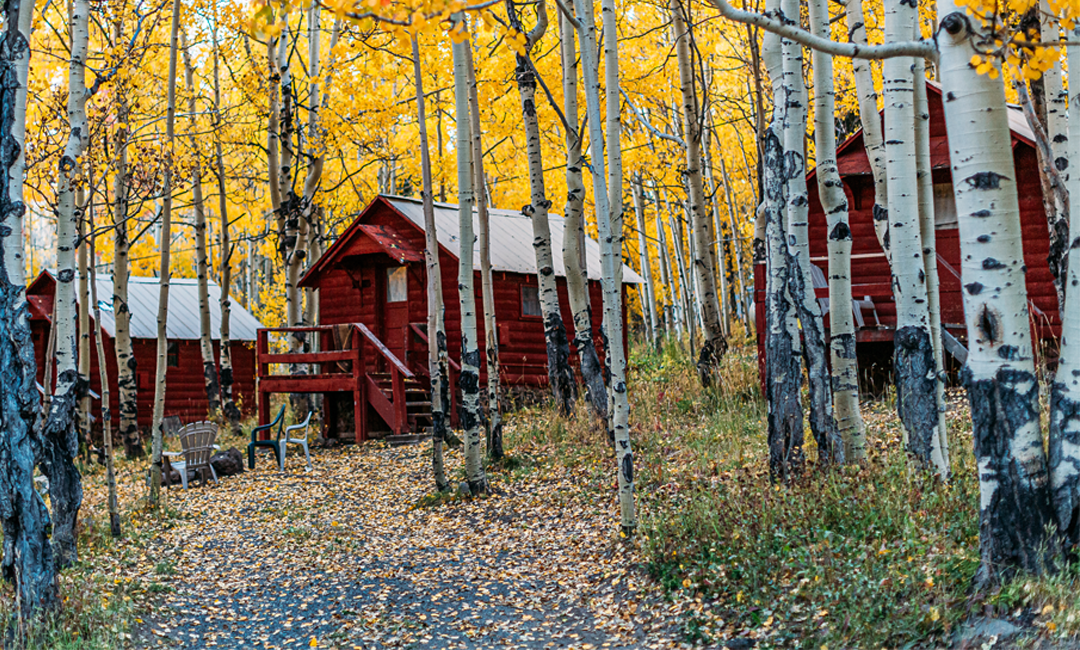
<point x="530" y="301"/>
<point x="944" y="207"/>
<point x="397" y="284"/>
<point x="172" y="357"/>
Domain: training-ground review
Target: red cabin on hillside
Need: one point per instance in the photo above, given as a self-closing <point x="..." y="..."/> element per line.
<point x="372" y="334"/>
<point x="870" y="274"/>
<point x="186" y="394"/>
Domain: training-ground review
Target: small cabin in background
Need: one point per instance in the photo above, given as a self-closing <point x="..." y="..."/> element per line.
<point x="186" y="390"/>
<point x="372" y="286"/>
<point x="871" y="277"/>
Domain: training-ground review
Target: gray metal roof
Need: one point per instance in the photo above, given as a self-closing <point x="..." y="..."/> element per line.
<point x="183" y="322"/>
<point x="511" y="238"/>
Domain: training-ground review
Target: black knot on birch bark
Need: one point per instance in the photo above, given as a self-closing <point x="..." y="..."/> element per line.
<point x="991" y="264"/>
<point x="67" y="275"/>
<point x="988" y="180"/>
<point x="528" y="210"/>
<point x="1009" y="352"/>
<point x="954" y="23"/>
<point x="974" y="288"/>
<point x="628" y="468"/>
<point x="840" y="232"/>
<point x="989" y="324"/>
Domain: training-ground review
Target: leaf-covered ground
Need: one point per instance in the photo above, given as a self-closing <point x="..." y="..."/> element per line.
<point x="344" y="556"/>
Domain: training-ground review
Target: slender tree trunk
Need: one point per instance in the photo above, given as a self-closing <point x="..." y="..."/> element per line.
<point x="61" y="436"/>
<point x="1056" y="200"/>
<point x="928" y="234"/>
<point x="577" y="283"/>
<point x="491" y="333"/>
<point x="671" y="323"/>
<point x="560" y="374"/>
<point x="106" y="413"/>
<point x="83" y="303"/>
<point x="845" y="369"/>
<point x="28" y="556"/>
<point x="610" y="240"/>
<point x="743" y="308"/>
<point x="1016" y="518"/>
<point x="717" y="235"/>
<point x="436" y="308"/>
<point x="228" y="403"/>
<point x="1065" y="389"/>
<point x="913" y="358"/>
<point x="648" y="297"/>
<point x="165" y="272"/>
<point x="873" y="137"/>
<point x="126" y="363"/>
<point x="206" y="342"/>
<point x="715" y="343"/>
<point x="471" y="421"/>
<point x="783" y="369"/>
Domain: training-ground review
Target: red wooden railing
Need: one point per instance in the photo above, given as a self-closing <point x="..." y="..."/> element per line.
<point x="361" y="378"/>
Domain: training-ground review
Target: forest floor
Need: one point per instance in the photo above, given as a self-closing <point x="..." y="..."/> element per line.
<point x="357" y="553"/>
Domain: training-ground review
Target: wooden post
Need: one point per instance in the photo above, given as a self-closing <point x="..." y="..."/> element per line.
<point x="401" y="418"/>
<point x="261" y="353"/>
<point x="359" y="388"/>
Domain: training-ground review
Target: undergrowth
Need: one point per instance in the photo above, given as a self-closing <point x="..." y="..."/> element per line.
<point x="871" y="556"/>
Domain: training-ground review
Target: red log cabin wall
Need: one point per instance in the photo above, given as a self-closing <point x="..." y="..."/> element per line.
<point x="185" y="395"/>
<point x="870" y="273"/>
<point x="354" y="291"/>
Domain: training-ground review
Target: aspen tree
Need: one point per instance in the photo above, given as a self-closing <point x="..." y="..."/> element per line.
<point x="928" y="235"/>
<point x="84" y="417"/>
<point x="873" y="137"/>
<point x="471" y="421"/>
<point x="1016" y="520"/>
<point x="560" y="374"/>
<point x="913" y="357"/>
<point x="743" y="309"/>
<point x="206" y="343"/>
<point x="28" y="556"/>
<point x="845" y="370"/>
<point x="611" y="258"/>
<point x="715" y="343"/>
<point x="783" y="351"/>
<point x="1065" y="388"/>
<point x="106" y="413"/>
<point x="228" y="403"/>
<point x="577" y="282"/>
<point x="61" y="437"/>
<point x="165" y="260"/>
<point x="491" y="333"/>
<point x="436" y="308"/>
<point x="667" y="283"/>
<point x="126" y="364"/>
<point x="648" y="296"/>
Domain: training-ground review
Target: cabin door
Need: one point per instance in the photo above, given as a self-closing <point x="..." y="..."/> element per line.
<point x="396" y="314"/>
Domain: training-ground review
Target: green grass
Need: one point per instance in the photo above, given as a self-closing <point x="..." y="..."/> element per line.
<point x="872" y="556"/>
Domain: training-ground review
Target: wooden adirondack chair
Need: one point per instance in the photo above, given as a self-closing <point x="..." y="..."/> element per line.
<point x="197" y="442"/>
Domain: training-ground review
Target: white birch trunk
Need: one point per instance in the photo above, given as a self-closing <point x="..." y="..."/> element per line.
<point x="928" y="235"/>
<point x="715" y="343"/>
<point x="801" y="283"/>
<point x="471" y="420"/>
<point x="206" y="343"/>
<point x="83" y="303"/>
<point x="61" y="437"/>
<point x="611" y="250"/>
<point x="1065" y="389"/>
<point x="437" y="352"/>
<point x="1057" y="198"/>
<point x="913" y="358"/>
<point x="165" y="271"/>
<point x="732" y="220"/>
<point x="648" y="295"/>
<point x="577" y="283"/>
<point x="671" y="322"/>
<point x="1016" y="519"/>
<point x="106" y="413"/>
<point x="845" y="369"/>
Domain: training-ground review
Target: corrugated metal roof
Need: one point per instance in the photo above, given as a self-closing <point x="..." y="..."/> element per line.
<point x="183" y="322"/>
<point x="511" y="238"/>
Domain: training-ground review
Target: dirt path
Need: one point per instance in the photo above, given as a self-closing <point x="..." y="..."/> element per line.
<point x="339" y="558"/>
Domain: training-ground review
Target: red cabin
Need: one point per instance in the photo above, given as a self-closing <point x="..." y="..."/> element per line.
<point x="186" y="390"/>
<point x="870" y="274"/>
<point x="373" y="313"/>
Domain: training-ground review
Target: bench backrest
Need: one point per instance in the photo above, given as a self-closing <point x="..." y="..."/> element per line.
<point x="197" y="441"/>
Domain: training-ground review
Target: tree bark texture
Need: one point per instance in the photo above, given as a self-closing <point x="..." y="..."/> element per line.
<point x="106" y="414"/>
<point x="1016" y="519"/>
<point x="577" y="282"/>
<point x="715" y="343"/>
<point x="28" y="555"/>
<point x="845" y="369"/>
<point x="648" y="296"/>
<point x="61" y="436"/>
<point x="471" y="421"/>
<point x="438" y="367"/>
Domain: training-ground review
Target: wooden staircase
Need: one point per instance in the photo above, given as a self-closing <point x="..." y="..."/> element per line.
<point x="359" y="363"/>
